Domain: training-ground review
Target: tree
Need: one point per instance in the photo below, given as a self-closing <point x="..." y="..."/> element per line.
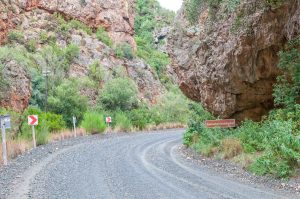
<point x="67" y="101"/>
<point x="119" y="94"/>
<point x="286" y="91"/>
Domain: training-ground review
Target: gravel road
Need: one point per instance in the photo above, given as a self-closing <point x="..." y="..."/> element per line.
<point x="144" y="165"/>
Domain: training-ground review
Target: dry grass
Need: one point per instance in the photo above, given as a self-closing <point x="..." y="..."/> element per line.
<point x="66" y="134"/>
<point x="209" y="151"/>
<point x="148" y="128"/>
<point x="165" y="126"/>
<point x="245" y="159"/>
<point x="231" y="147"/>
<point x="15" y="148"/>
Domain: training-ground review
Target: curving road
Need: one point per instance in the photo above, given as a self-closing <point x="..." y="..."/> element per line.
<point x="129" y="166"/>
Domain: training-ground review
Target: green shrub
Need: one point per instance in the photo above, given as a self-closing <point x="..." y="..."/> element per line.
<point x="124" y="51"/>
<point x="78" y="25"/>
<point x="274" y="3"/>
<point x="286" y="91"/>
<point x="119" y="94"/>
<point x="65" y="26"/>
<point x="42" y="136"/>
<point x="282" y="155"/>
<point x="97" y="72"/>
<point x="16" y="36"/>
<point x="140" y="118"/>
<point x="192" y="9"/>
<point x="54" y="122"/>
<point x="3" y="82"/>
<point x="102" y="35"/>
<point x="43" y="37"/>
<point x="93" y="123"/>
<point x="122" y="122"/>
<point x="31" y="45"/>
<point x="66" y="100"/>
<point x="252" y="136"/>
<point x="70" y="52"/>
<point x="173" y="107"/>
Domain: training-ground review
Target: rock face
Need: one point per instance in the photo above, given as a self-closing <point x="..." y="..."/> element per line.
<point x="18" y="90"/>
<point x="33" y="16"/>
<point x="9" y="12"/>
<point x="230" y="65"/>
<point x="91" y="50"/>
<point x="117" y="17"/>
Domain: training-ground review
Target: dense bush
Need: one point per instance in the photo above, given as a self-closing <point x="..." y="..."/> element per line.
<point x="123" y="123"/>
<point x="287" y="89"/>
<point x="48" y="123"/>
<point x="119" y="94"/>
<point x="102" y="35"/>
<point x="65" y="26"/>
<point x="31" y="45"/>
<point x="282" y="153"/>
<point x="98" y="73"/>
<point x="93" y="123"/>
<point x="173" y="107"/>
<point x="140" y="118"/>
<point x="15" y="36"/>
<point x="66" y="100"/>
<point x="124" y="51"/>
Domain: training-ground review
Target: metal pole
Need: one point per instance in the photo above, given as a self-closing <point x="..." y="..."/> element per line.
<point x="4" y="149"/>
<point x="33" y="137"/>
<point x="46" y="103"/>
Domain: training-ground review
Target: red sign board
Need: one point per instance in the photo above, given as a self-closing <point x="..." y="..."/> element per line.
<point x="108" y="119"/>
<point x="220" y="123"/>
<point x="33" y="120"/>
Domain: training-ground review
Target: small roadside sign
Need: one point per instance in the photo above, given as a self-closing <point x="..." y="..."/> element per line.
<point x="33" y="120"/>
<point x="108" y="120"/>
<point x="5" y="119"/>
<point x="4" y="124"/>
<point x="228" y="123"/>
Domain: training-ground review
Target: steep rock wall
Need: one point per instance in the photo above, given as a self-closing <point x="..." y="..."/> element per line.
<point x="229" y="65"/>
<point x="117" y="17"/>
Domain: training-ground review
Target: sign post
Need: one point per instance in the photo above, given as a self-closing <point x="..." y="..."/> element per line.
<point x="5" y="124"/>
<point x="108" y="121"/>
<point x="74" y="125"/>
<point x="33" y="121"/>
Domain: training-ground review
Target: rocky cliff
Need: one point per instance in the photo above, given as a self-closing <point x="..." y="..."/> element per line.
<point x="117" y="17"/>
<point x="227" y="60"/>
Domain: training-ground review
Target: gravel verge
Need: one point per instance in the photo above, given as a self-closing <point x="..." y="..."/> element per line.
<point x="238" y="172"/>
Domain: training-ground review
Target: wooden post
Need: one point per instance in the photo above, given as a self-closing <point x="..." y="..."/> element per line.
<point x="33" y="136"/>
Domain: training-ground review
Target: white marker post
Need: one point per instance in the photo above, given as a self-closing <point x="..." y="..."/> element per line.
<point x="4" y="152"/>
<point x="33" y="120"/>
<point x="33" y="136"/>
<point x="108" y="122"/>
<point x="74" y="125"/>
<point x="4" y="124"/>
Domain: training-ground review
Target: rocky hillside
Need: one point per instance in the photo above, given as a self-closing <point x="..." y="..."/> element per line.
<point x="37" y="32"/>
<point x="117" y="17"/>
<point x="226" y="53"/>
